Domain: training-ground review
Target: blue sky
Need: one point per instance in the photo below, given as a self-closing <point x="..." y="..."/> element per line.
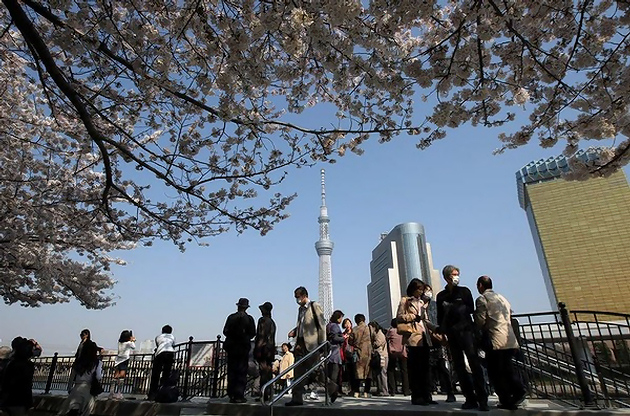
<point x="463" y="195"/>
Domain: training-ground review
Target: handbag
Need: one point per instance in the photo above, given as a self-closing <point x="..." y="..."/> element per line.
<point x="437" y="338"/>
<point x="404" y="328"/>
<point x="95" y="386"/>
<point x="375" y="360"/>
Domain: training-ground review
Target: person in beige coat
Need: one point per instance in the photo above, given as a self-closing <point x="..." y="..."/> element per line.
<point x="309" y="333"/>
<point x="379" y="345"/>
<point x="286" y="362"/>
<point x="493" y="317"/>
<point x="361" y="340"/>
<point x="412" y="321"/>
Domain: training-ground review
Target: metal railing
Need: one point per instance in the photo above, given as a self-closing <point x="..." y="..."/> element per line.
<point x="580" y="358"/>
<point x="323" y="350"/>
<point x="202" y="367"/>
<point x="603" y="339"/>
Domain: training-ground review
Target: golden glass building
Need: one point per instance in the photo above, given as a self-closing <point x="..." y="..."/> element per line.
<point x="581" y="231"/>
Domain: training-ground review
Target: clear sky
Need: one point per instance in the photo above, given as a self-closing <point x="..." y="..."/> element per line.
<point x="464" y="196"/>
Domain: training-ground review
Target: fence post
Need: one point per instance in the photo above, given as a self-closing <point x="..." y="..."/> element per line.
<point x="215" y="367"/>
<point x="187" y="368"/>
<point x="587" y="395"/>
<point x="51" y="373"/>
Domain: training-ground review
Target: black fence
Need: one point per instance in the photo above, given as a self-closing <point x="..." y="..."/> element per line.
<point x="581" y="358"/>
<point x="202" y="367"/>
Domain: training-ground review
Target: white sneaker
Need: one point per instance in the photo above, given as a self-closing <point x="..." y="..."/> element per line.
<point x="313" y="396"/>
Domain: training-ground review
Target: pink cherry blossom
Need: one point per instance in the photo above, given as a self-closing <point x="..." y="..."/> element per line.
<point x="123" y="122"/>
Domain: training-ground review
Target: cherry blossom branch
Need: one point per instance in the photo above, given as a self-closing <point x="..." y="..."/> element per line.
<point x="29" y="32"/>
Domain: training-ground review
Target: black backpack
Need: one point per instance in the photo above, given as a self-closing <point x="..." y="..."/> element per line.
<point x="168" y="392"/>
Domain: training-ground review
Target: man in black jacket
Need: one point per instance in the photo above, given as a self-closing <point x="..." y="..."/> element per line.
<point x="454" y="313"/>
<point x="239" y="330"/>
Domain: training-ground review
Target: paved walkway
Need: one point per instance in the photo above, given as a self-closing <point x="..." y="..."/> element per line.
<point x="398" y="402"/>
<point x="346" y="406"/>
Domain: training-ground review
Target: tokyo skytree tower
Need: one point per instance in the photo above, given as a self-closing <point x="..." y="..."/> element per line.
<point x="324" y="249"/>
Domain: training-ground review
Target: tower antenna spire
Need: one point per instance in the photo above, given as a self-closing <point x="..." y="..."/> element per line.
<point x="323" y="172"/>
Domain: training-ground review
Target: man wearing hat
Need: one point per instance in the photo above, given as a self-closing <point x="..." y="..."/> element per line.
<point x="239" y="330"/>
<point x="265" y="345"/>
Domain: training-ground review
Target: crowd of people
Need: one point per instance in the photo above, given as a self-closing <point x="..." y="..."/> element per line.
<point x="464" y="331"/>
<point x="425" y="356"/>
<point x="416" y="353"/>
<point x="84" y="384"/>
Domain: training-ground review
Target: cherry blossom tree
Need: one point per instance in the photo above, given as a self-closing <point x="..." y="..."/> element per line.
<point x="130" y="120"/>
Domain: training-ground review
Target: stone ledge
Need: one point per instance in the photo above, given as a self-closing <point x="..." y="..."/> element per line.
<point x="51" y="405"/>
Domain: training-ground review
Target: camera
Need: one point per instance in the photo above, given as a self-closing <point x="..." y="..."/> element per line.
<point x="26" y="348"/>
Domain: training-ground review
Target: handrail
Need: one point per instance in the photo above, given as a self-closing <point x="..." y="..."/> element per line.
<point x="274" y="380"/>
<point x="569" y="367"/>
<point x="589" y="312"/>
<point x="526" y="315"/>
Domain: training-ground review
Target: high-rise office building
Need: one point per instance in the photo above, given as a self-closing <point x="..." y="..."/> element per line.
<point x="401" y="255"/>
<point x="581" y="232"/>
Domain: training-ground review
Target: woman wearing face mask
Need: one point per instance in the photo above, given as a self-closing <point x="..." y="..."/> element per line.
<point x="412" y="311"/>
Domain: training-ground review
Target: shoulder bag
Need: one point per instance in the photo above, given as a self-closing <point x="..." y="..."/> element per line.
<point x="404" y="328"/>
<point x="95" y="386"/>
